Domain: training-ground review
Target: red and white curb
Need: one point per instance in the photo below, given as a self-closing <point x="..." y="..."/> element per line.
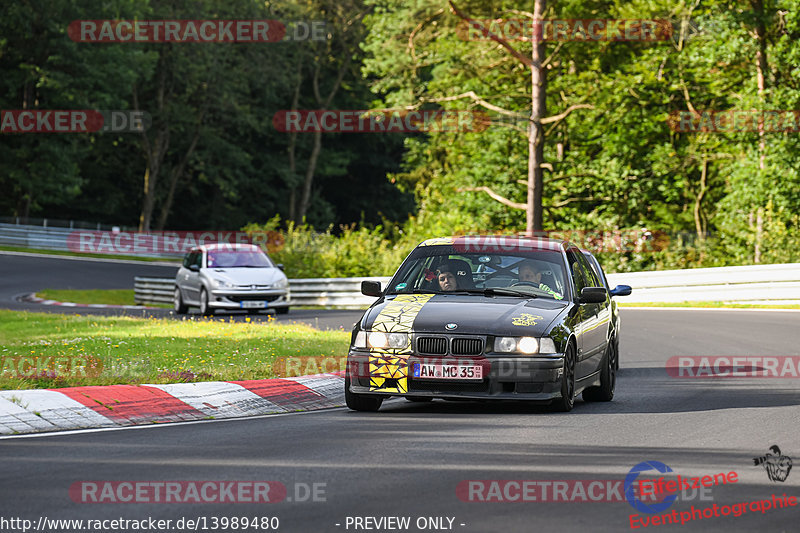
<point x="32" y="298"/>
<point x="31" y="411"/>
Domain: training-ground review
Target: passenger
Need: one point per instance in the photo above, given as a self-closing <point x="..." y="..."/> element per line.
<point x="447" y="280"/>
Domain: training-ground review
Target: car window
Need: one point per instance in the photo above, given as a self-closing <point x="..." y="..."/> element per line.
<point x="187" y="259"/>
<point x="238" y="259"/>
<point x="198" y="259"/>
<point x="478" y="271"/>
<point x="591" y="277"/>
<point x="598" y="270"/>
<point x="579" y="275"/>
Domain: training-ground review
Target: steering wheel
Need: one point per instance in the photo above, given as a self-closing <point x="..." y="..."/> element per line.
<point x="526" y="283"/>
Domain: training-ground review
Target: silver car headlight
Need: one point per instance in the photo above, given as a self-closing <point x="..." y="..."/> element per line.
<point x="223" y="284"/>
<point x="282" y="283"/>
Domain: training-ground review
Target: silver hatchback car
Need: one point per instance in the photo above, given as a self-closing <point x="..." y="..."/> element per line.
<point x="230" y="276"/>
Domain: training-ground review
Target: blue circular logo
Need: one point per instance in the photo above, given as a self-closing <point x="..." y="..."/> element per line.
<point x="630" y="481"/>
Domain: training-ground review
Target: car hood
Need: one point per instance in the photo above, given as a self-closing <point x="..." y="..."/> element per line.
<point x="472" y="314"/>
<point x="246" y="276"/>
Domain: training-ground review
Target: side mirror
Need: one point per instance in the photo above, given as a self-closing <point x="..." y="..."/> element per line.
<point x="621" y="290"/>
<point x="592" y="295"/>
<point x="194" y="267"/>
<point x="280" y="265"/>
<point x="371" y="288"/>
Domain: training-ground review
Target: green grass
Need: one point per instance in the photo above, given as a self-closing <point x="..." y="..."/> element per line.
<point x="709" y="305"/>
<point x="97" y="256"/>
<point x="139" y="350"/>
<point x="95" y="296"/>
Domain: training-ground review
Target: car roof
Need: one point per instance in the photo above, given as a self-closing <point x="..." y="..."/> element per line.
<point x="228" y="247"/>
<point x="483" y="243"/>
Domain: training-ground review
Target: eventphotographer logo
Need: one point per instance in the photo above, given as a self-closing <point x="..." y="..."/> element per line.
<point x="775" y="463"/>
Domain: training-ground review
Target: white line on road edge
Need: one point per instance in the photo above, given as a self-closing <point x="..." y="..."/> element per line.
<point x="161" y="424"/>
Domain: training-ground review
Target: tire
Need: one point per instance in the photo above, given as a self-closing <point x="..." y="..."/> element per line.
<point x="179" y="307"/>
<point x="281" y="310"/>
<point x="419" y="399"/>
<point x="360" y="402"/>
<point x="608" y="377"/>
<point x="205" y="310"/>
<point x="565" y="403"/>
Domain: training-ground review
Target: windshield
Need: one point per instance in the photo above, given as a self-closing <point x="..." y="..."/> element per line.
<point x="238" y="259"/>
<point x="537" y="273"/>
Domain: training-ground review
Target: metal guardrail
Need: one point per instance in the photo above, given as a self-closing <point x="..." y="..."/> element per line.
<point x="344" y="293"/>
<point x="153" y="290"/>
<point x="332" y="292"/>
<point x="744" y="284"/>
<point x="739" y="284"/>
<point x="54" y="238"/>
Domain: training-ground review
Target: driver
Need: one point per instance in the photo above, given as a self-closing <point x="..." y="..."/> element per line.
<point x="529" y="272"/>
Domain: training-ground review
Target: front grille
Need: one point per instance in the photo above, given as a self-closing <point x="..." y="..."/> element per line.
<point x="252" y="297"/>
<point x="431" y="345"/>
<point x="467" y="347"/>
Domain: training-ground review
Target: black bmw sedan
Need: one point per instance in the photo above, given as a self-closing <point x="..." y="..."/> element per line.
<point x="487" y="317"/>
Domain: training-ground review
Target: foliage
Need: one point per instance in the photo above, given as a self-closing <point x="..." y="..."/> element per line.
<point x="613" y="162"/>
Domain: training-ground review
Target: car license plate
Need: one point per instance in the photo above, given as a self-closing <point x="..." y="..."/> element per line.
<point x="255" y="304"/>
<point x="447" y="371"/>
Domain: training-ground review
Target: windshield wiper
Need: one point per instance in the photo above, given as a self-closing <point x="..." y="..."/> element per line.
<point x="417" y="291"/>
<point x="503" y="291"/>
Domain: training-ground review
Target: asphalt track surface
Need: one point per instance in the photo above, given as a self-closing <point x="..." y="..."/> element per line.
<point x="408" y="459"/>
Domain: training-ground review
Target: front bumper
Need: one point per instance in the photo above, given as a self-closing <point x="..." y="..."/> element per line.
<point x="232" y="298"/>
<point x="535" y="378"/>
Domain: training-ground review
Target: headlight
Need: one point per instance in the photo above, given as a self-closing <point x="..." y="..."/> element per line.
<point x="546" y="345"/>
<point x="525" y="345"/>
<point x="224" y="284"/>
<point x="395" y="341"/>
<point x="282" y="283"/>
<point x="528" y="345"/>
<point x="398" y="341"/>
<point x="505" y="344"/>
<point x="377" y="339"/>
<point x="361" y="340"/>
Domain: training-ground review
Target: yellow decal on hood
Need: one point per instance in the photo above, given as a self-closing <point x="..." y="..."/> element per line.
<point x="526" y="319"/>
<point x="388" y="368"/>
